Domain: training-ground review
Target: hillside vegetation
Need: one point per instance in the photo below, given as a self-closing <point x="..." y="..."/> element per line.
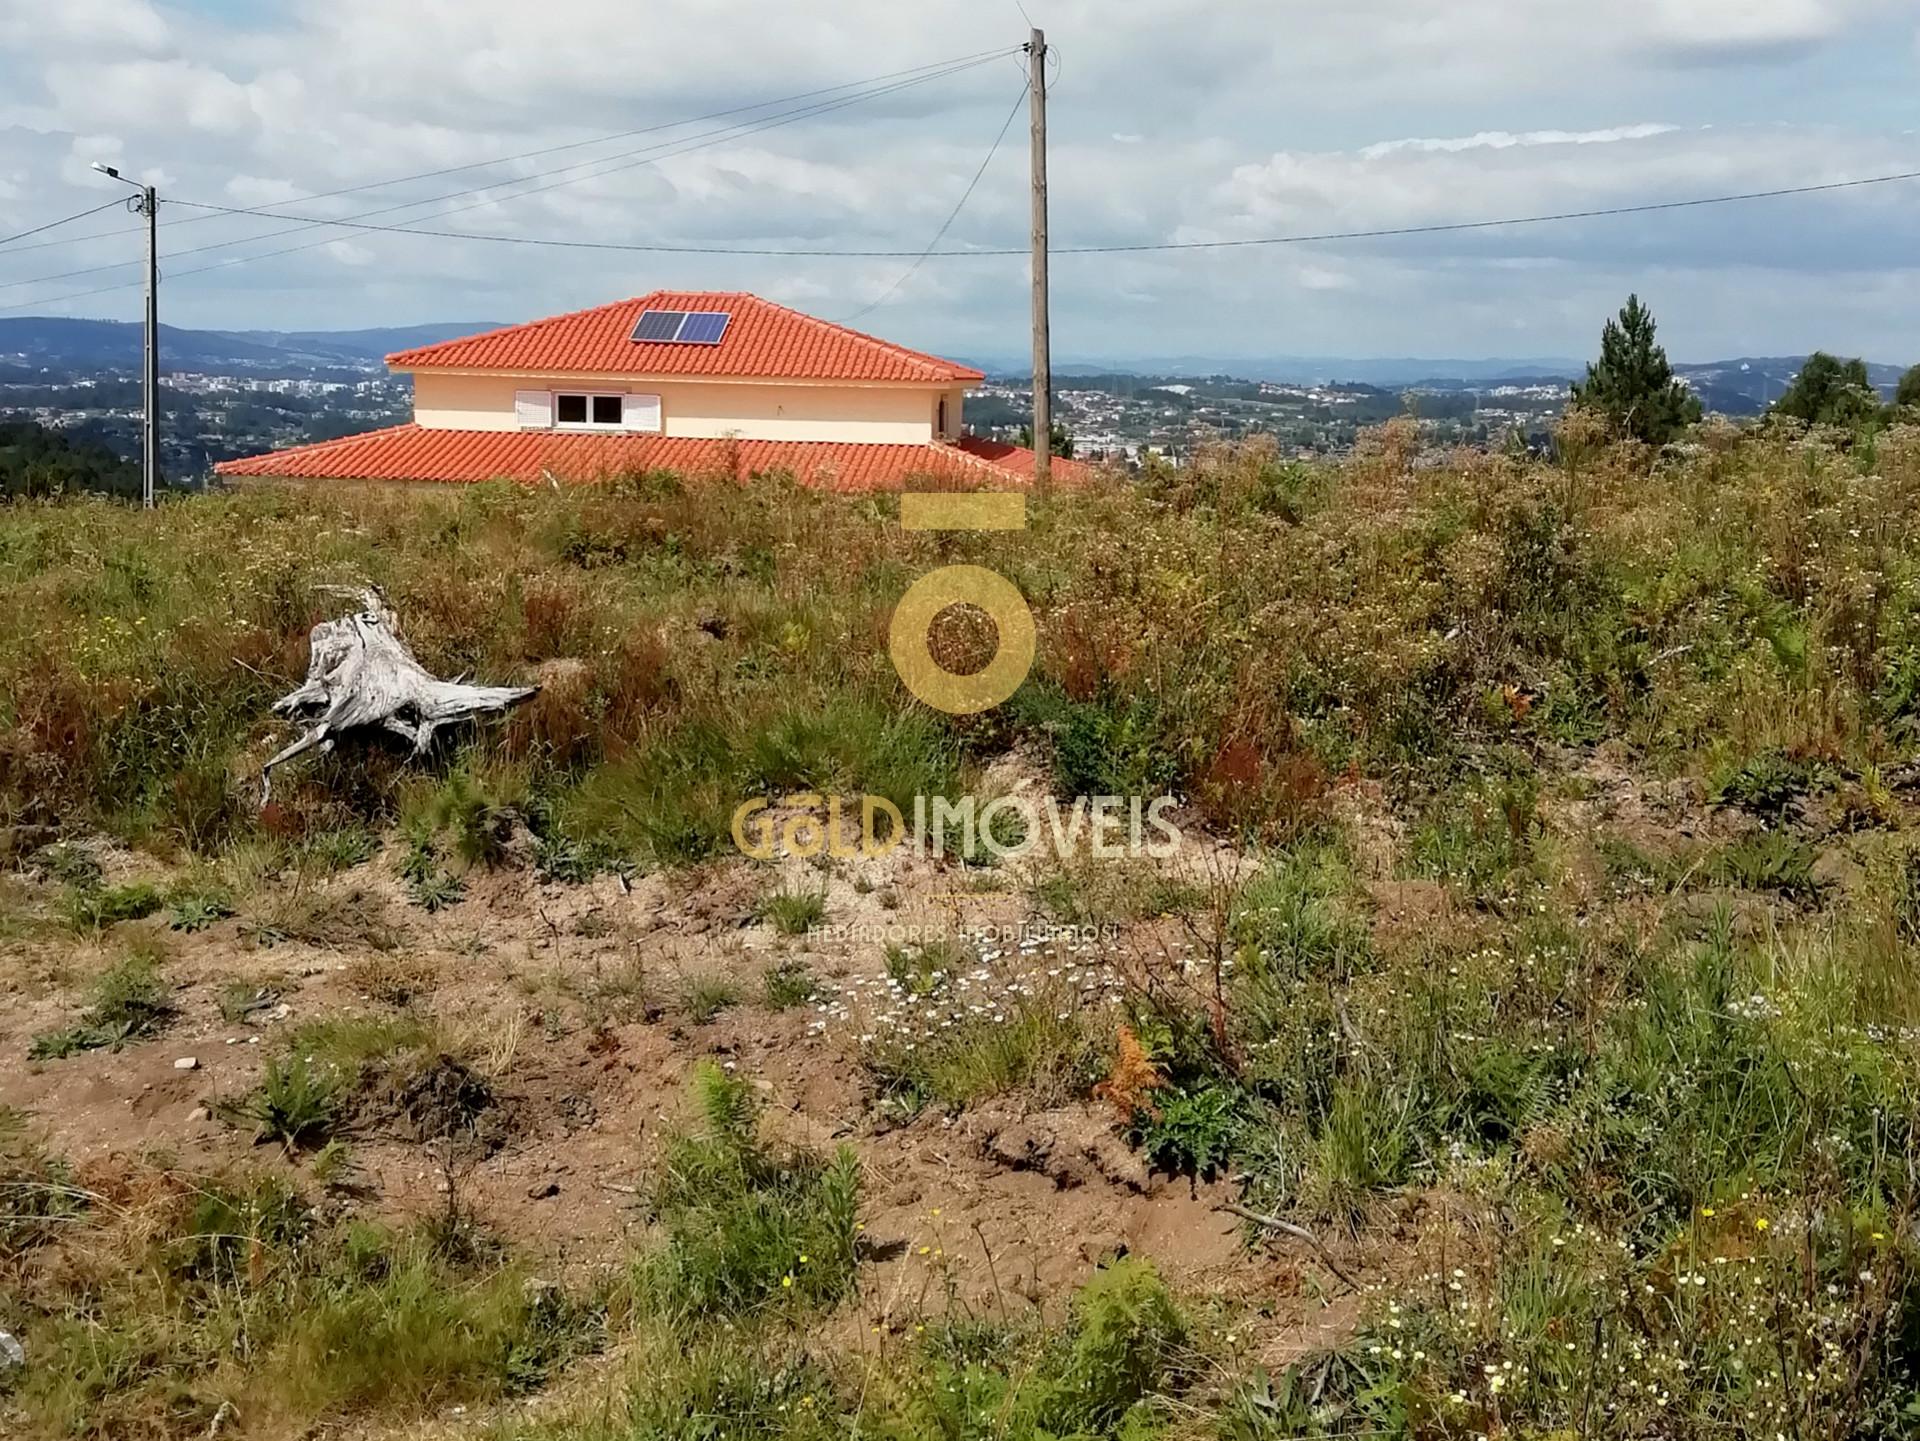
<point x="1533" y="1008"/>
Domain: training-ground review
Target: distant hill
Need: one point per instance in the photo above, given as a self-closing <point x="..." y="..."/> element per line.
<point x="376" y="344"/>
<point x="1389" y="372"/>
<point x="1748" y="384"/>
<point x="56" y="340"/>
<point x="1744" y="385"/>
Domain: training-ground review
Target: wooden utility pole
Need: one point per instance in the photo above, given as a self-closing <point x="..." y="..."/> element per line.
<point x="1042" y="348"/>
<point x="150" y="447"/>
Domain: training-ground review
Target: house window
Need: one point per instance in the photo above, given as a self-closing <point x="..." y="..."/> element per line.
<point x="587" y="412"/>
<point x="941" y="429"/>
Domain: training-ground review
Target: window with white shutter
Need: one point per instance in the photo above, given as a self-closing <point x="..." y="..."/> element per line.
<point x="533" y="409"/>
<point x="643" y="413"/>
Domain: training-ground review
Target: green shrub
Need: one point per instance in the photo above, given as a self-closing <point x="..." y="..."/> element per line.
<point x="1365" y="1146"/>
<point x="1766" y="785"/>
<point x="924" y="968"/>
<point x="129" y="1004"/>
<point x="475" y="816"/>
<point x="1196" y="1131"/>
<point x="1479" y="837"/>
<point x="194" y="908"/>
<point x="297" y="1103"/>
<point x="94" y="908"/>
<point x="437" y="891"/>
<point x="1112" y="745"/>
<point x="1126" y="1344"/>
<point x="340" y="850"/>
<point x="1767" y="861"/>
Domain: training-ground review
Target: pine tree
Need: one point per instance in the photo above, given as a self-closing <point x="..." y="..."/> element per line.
<point x="1632" y="385"/>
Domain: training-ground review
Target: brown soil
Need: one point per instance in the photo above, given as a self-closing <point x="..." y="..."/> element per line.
<point x="568" y="1049"/>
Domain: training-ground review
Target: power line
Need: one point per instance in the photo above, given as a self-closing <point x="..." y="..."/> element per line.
<point x="982" y="56"/>
<point x="1142" y="248"/>
<point x="644" y="247"/>
<point x="952" y="215"/>
<point x="666" y="149"/>
<point x="68" y="220"/>
<point x="1437" y="229"/>
<point x="670" y="150"/>
<point x="945" y="67"/>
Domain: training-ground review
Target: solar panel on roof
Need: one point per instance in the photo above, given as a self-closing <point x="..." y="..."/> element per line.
<point x="686" y="327"/>
<point x="658" y="324"/>
<point x="703" y="327"/>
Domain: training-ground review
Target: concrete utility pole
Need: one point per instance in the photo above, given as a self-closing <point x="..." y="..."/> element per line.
<point x="147" y="203"/>
<point x="1042" y="345"/>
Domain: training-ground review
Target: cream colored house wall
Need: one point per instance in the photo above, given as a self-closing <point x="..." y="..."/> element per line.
<point x="872" y="414"/>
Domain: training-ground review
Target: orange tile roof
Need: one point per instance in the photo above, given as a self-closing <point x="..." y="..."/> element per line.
<point x="413" y="452"/>
<point x="762" y="341"/>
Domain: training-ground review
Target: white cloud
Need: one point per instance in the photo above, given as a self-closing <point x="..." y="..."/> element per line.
<point x="1320" y="277"/>
<point x="1166" y="126"/>
<point x="1709" y="25"/>
<point x="1439" y="182"/>
<point x="135" y="94"/>
<point x="98" y="26"/>
<point x="1506" y="140"/>
<point x="259" y="191"/>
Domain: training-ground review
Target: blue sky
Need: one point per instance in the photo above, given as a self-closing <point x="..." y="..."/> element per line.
<point x="1208" y="121"/>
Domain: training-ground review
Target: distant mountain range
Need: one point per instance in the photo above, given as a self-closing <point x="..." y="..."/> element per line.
<point x="1326" y="370"/>
<point x="1745" y="385"/>
<point x="1751" y="383"/>
<point x="54" y="340"/>
<point x="1742" y="386"/>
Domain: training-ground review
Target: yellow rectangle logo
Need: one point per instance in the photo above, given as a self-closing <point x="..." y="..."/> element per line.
<point x="963" y="510"/>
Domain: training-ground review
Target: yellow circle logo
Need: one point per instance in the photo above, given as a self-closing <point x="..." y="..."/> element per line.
<point x="913" y="620"/>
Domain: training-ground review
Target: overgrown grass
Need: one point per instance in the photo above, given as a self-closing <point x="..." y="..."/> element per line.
<point x="706" y="997"/>
<point x="1636" y="1077"/>
<point x="181" y="1299"/>
<point x="1366" y="678"/>
<point x="749" y="1228"/>
<point x="730" y="643"/>
<point x="938" y="1046"/>
<point x="792" y="913"/>
<point x="1116" y="1369"/>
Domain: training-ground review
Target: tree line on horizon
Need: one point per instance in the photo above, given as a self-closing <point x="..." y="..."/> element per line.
<point x="37" y="463"/>
<point x="1630" y="387"/>
<point x="1633" y="389"/>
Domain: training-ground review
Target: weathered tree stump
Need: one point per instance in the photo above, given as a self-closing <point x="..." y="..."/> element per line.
<point x="361" y="674"/>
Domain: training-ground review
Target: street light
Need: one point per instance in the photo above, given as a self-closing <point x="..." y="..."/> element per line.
<point x="147" y="204"/>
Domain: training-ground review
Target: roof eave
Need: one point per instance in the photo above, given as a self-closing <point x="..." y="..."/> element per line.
<point x="400" y="364"/>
